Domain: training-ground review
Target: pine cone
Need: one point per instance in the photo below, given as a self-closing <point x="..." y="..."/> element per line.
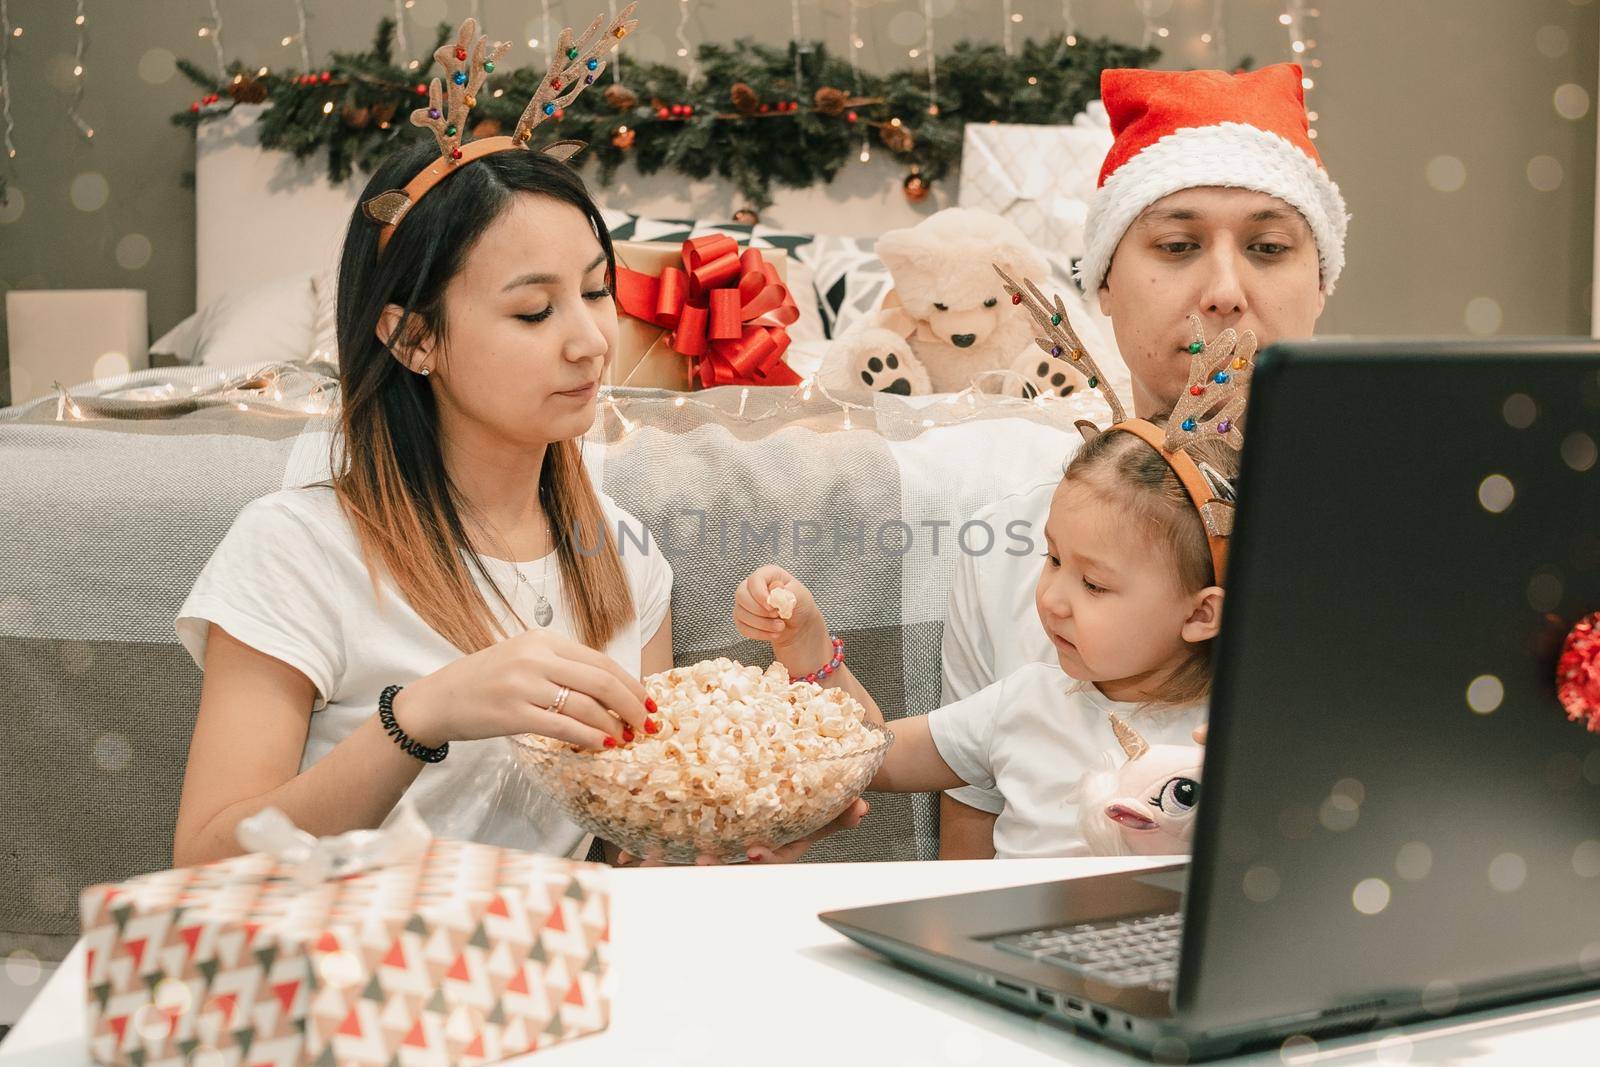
<point x="620" y="97"/>
<point x="830" y="101"/>
<point x="355" y="117"/>
<point x="745" y="100"/>
<point x="486" y="128"/>
<point x="897" y="138"/>
<point x="248" y="91"/>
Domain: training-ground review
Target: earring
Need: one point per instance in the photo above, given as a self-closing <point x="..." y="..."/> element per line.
<point x="424" y="372"/>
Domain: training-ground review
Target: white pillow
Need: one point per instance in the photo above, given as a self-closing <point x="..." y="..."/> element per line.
<point x="255" y="324"/>
<point x="324" y="325"/>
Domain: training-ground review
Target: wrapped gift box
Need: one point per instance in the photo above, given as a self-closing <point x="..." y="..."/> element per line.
<point x="468" y="956"/>
<point x="648" y="354"/>
<point x="1039" y="177"/>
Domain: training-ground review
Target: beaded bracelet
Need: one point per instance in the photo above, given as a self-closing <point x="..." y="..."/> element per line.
<point x="833" y="664"/>
<point x="407" y="744"/>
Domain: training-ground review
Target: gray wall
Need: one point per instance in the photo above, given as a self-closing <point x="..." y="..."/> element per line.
<point x="1404" y="83"/>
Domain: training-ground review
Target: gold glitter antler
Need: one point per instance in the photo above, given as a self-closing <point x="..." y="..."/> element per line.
<point x="1213" y="401"/>
<point x="466" y="63"/>
<point x="1134" y="745"/>
<point x="1060" y="339"/>
<point x="573" y="68"/>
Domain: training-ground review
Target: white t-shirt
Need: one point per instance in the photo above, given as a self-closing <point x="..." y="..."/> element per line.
<point x="289" y="580"/>
<point x="992" y="627"/>
<point x="1031" y="737"/>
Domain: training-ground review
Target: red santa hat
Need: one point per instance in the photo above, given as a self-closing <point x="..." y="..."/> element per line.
<point x="1186" y="129"/>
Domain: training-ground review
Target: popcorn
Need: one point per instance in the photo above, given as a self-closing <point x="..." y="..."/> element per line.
<point x="782" y="601"/>
<point x="742" y="756"/>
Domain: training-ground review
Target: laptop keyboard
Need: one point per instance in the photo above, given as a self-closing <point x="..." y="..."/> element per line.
<point x="1125" y="952"/>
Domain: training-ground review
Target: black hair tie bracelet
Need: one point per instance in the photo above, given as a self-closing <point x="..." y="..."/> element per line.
<point x="407" y="745"/>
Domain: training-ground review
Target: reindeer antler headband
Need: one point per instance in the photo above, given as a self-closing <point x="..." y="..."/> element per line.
<point x="574" y="66"/>
<point x="1213" y="402"/>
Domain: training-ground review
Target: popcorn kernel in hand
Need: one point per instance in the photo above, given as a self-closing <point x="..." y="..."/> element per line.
<point x="782" y="601"/>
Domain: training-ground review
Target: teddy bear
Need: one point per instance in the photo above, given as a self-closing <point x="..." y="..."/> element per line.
<point x="948" y="319"/>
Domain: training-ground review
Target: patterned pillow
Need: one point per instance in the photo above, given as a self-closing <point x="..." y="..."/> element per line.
<point x="849" y="277"/>
<point x="626" y="226"/>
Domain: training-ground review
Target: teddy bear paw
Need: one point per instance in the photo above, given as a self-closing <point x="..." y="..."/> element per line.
<point x="1036" y="374"/>
<point x="880" y="361"/>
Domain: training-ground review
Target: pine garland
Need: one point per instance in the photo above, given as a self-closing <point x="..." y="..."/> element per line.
<point x="359" y="107"/>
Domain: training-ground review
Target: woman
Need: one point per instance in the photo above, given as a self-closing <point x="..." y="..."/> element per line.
<point x="460" y="551"/>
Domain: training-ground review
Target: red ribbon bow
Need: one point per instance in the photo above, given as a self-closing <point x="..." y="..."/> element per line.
<point x="726" y="311"/>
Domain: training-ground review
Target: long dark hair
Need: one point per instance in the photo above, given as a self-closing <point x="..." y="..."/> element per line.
<point x="389" y="473"/>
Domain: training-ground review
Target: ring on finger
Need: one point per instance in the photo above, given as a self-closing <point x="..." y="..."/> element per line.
<point x="561" y="699"/>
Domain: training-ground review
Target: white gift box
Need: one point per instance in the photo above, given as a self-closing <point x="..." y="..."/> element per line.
<point x="1039" y="177"/>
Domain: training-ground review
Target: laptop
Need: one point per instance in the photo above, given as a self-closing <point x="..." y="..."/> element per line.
<point x="1398" y="821"/>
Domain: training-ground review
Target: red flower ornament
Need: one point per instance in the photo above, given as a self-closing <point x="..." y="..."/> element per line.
<point x="1578" y="673"/>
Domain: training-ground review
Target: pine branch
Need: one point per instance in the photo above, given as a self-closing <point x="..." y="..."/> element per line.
<point x="371" y="97"/>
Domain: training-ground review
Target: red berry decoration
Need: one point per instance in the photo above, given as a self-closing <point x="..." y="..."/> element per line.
<point x="662" y="112"/>
<point x="326" y="77"/>
<point x="852" y="117"/>
<point x="461" y="53"/>
<point x="1578" y="673"/>
<point x="688" y="109"/>
<point x="764" y="109"/>
<point x="422" y="90"/>
<point x="194" y="108"/>
<point x="560" y="113"/>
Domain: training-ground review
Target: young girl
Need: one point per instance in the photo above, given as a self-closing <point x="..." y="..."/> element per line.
<point x="378" y="636"/>
<point x="1131" y="599"/>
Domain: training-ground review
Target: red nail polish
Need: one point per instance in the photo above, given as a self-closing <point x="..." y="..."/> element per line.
<point x="753" y="856"/>
<point x="611" y="742"/>
<point x="651" y="726"/>
<point x="627" y="733"/>
<point x="650" y="705"/>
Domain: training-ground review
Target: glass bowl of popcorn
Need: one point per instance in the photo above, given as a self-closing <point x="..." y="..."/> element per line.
<point x="742" y="757"/>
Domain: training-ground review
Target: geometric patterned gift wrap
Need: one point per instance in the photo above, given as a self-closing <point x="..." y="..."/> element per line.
<point x="1040" y="177"/>
<point x="470" y="955"/>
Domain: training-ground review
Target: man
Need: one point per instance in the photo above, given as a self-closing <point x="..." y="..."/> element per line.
<point x="1212" y="201"/>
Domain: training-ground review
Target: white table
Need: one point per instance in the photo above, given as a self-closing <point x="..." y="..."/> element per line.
<point x="730" y="966"/>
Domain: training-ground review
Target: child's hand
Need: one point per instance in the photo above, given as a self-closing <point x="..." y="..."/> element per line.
<point x="773" y="605"/>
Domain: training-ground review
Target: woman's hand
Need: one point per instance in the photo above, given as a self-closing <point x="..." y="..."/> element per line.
<point x="848" y="819"/>
<point x="513" y="688"/>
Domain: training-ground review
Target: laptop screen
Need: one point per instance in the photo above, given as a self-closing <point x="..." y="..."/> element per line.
<point x="1397" y="808"/>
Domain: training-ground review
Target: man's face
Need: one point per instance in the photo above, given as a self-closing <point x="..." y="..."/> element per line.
<point x="1235" y="257"/>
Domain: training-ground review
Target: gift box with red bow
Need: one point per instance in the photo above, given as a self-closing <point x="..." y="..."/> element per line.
<point x="466" y="954"/>
<point x="701" y="314"/>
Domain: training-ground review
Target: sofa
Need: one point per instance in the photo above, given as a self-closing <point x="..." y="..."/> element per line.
<point x="109" y="508"/>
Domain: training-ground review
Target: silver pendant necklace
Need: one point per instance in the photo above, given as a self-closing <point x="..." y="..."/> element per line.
<point x="543" y="611"/>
